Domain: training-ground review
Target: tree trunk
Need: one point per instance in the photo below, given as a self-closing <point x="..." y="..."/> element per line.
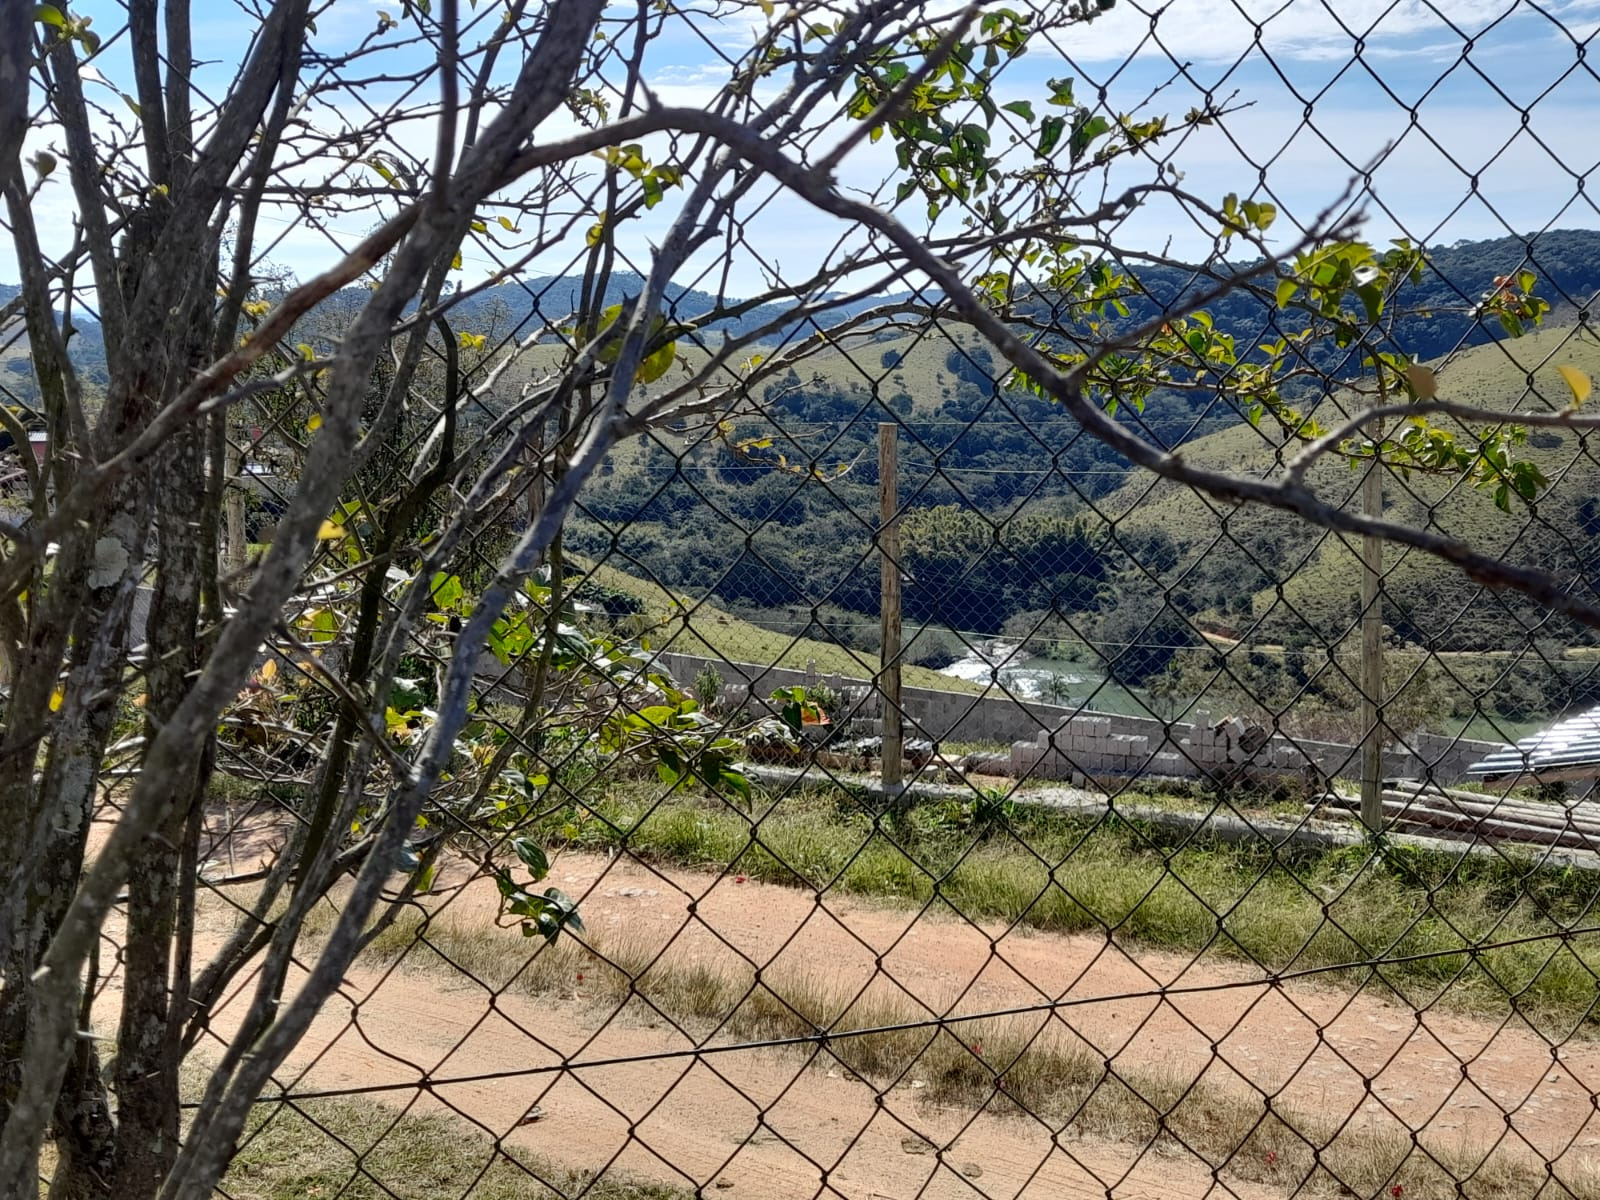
<point x="65" y="798"/>
<point x="85" y="1134"/>
<point x="146" y="1076"/>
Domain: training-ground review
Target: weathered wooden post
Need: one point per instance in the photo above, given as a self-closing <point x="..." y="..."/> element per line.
<point x="1372" y="643"/>
<point x="889" y="611"/>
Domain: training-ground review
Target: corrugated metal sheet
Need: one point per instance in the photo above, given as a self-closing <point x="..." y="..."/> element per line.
<point x="1567" y="746"/>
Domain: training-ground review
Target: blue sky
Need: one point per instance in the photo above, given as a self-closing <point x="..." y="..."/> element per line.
<point x="1466" y="67"/>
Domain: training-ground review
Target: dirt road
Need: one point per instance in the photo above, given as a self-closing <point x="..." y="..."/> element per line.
<point x="764" y="1123"/>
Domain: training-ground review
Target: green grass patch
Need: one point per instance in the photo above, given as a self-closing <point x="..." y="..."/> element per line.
<point x="1451" y="929"/>
<point x="683" y="625"/>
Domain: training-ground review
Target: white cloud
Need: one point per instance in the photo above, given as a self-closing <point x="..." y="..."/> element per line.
<point x="1404" y="44"/>
<point x="1222" y="30"/>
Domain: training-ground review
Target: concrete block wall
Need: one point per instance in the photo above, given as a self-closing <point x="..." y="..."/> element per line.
<point x="1093" y="744"/>
<point x="1107" y="744"/>
<point x="931" y="714"/>
<point x="1052" y="742"/>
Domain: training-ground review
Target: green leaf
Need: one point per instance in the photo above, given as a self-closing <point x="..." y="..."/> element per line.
<point x="49" y="14"/>
<point x="1050" y="131"/>
<point x="550" y="914"/>
<point x="533" y="856"/>
<point x="656" y="364"/>
<point x="1085" y="129"/>
<point x="446" y="590"/>
<point x="1021" y="108"/>
<point x="1266" y="214"/>
<point x="426" y="878"/>
<point x="324" y="625"/>
<point x="406" y="694"/>
<point x="1371" y="296"/>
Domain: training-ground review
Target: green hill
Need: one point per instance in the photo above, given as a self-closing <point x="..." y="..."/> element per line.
<point x="1231" y="561"/>
<point x="685" y="624"/>
<point x="1289" y="595"/>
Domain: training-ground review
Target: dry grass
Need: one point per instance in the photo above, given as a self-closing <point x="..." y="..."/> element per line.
<point x="362" y="1150"/>
<point x="1009" y="1067"/>
<point x="359" y="1149"/>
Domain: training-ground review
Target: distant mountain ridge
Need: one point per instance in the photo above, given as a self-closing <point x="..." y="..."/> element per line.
<point x="1566" y="263"/>
<point x="553" y="298"/>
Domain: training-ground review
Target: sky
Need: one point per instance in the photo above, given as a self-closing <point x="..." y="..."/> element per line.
<point x="1479" y="115"/>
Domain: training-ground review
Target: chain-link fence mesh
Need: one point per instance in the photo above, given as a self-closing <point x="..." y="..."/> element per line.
<point x="1120" y="930"/>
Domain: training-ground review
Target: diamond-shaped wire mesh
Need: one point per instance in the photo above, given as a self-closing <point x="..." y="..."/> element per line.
<point x="1119" y="931"/>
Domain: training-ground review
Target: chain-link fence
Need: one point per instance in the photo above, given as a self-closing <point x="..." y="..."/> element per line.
<point x="1068" y="893"/>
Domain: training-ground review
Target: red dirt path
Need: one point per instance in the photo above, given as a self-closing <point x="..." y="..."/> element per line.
<point x="761" y="1124"/>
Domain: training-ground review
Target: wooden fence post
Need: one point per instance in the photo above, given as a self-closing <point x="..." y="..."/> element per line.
<point x="1372" y="644"/>
<point x="889" y="609"/>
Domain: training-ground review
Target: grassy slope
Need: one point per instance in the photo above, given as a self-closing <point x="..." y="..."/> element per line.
<point x="920" y="373"/>
<point x="1319" y="584"/>
<point x="687" y="627"/>
<point x="710" y="630"/>
<point x="852" y="366"/>
<point x="1496" y="374"/>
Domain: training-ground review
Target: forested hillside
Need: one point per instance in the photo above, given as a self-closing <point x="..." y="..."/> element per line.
<point x="1438" y="308"/>
<point x="1016" y="517"/>
<point x="1019" y="519"/>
